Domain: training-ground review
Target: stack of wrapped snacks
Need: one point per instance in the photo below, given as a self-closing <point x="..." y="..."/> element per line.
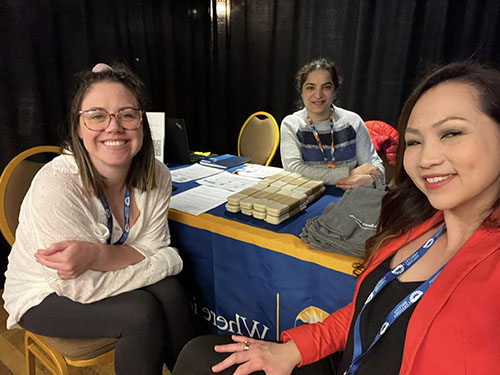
<point x="277" y="197"/>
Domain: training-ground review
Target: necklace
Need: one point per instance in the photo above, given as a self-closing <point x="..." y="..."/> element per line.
<point x="329" y="163"/>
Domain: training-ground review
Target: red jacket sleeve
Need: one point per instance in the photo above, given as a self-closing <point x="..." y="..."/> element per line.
<point x="318" y="340"/>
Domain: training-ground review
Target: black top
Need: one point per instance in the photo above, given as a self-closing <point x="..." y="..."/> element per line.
<point x="386" y="355"/>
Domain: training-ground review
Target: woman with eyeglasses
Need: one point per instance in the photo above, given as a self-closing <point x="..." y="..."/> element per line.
<point x="323" y="141"/>
<point x="92" y="257"/>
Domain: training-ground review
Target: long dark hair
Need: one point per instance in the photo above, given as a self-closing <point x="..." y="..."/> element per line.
<point x="142" y="170"/>
<point x="405" y="206"/>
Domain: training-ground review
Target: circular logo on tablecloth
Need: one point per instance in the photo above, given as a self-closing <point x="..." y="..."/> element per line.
<point x="311" y="314"/>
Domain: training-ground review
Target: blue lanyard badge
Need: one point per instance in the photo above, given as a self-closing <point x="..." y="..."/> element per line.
<point x="126" y="216"/>
<point x="401" y="307"/>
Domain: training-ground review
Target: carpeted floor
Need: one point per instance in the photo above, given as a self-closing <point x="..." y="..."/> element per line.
<point x="11" y="349"/>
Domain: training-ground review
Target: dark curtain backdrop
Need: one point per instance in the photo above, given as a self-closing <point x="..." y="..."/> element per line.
<point x="215" y="68"/>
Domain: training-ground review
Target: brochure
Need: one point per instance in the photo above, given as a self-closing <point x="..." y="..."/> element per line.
<point x="225" y="161"/>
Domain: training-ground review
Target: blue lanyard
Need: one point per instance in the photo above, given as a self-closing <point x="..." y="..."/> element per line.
<point x="401" y="307"/>
<point x="126" y="217"/>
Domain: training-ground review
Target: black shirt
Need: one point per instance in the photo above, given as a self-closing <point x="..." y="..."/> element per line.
<point x="386" y="355"/>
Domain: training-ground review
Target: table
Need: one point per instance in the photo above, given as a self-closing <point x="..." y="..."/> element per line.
<point x="257" y="279"/>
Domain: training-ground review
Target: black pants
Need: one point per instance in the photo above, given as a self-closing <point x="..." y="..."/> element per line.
<point x="151" y="324"/>
<point x="198" y="356"/>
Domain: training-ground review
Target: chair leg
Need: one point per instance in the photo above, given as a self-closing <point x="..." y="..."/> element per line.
<point x="37" y="349"/>
<point x="30" y="359"/>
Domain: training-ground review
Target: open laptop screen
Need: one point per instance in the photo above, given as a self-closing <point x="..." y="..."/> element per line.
<point x="176" y="142"/>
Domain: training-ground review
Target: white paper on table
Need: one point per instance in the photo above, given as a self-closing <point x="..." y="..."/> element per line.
<point x="199" y="199"/>
<point x="193" y="172"/>
<point x="228" y="181"/>
<point x="157" y="125"/>
<point x="258" y="171"/>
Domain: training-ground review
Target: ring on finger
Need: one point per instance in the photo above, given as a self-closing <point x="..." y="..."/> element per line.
<point x="247" y="345"/>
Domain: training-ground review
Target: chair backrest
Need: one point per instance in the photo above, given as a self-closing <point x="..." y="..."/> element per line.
<point x="14" y="183"/>
<point x="259" y="138"/>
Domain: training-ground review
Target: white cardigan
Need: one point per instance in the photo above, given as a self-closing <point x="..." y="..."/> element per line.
<point x="56" y="208"/>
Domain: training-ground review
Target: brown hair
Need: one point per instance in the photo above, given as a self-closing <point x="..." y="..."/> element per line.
<point x="142" y="170"/>
<point x="319" y="64"/>
<point x="405" y="206"/>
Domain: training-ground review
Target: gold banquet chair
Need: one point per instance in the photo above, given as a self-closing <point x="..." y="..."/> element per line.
<point x="54" y="353"/>
<point x="259" y="138"/>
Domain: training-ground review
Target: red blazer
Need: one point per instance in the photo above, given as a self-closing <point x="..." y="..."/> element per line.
<point x="455" y="327"/>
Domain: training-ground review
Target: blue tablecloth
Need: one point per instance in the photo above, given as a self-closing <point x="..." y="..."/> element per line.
<point x="257" y="279"/>
<point x="293" y="225"/>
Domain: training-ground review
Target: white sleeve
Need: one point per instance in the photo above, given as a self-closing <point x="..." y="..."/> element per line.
<point x="60" y="211"/>
<point x="155" y="234"/>
<point x="291" y="157"/>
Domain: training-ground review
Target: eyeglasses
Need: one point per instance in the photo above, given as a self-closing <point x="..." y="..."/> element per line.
<point x="99" y="119"/>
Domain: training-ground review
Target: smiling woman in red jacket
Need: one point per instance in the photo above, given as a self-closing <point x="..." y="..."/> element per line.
<point x="428" y="297"/>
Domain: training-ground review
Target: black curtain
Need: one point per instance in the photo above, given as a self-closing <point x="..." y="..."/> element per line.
<point x="214" y="66"/>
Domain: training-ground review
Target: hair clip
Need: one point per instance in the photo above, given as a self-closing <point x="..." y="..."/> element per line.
<point x="101" y="67"/>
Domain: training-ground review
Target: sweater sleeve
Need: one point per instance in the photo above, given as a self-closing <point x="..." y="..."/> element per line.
<point x="55" y="209"/>
<point x="291" y="156"/>
<point x="318" y="340"/>
<point x="366" y="152"/>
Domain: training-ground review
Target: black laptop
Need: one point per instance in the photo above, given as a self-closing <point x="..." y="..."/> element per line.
<point x="177" y="144"/>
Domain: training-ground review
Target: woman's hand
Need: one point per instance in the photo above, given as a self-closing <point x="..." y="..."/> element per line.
<point x="72" y="258"/>
<point x="351" y="182"/>
<point x="366" y="168"/>
<point x="360" y="176"/>
<point x="69" y="258"/>
<point x="271" y="357"/>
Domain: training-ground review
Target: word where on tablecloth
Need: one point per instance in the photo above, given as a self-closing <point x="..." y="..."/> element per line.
<point x="239" y="325"/>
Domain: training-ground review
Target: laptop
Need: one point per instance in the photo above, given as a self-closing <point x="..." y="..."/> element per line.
<point x="176" y="143"/>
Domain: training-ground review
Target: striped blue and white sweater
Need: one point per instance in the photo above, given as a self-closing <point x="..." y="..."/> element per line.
<point x="300" y="152"/>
